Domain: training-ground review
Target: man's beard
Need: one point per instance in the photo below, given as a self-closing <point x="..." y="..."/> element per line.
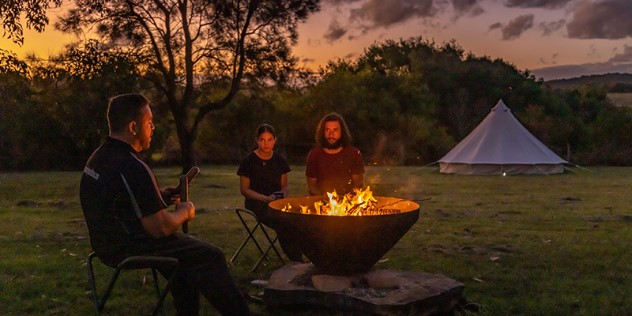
<point x="335" y="145"/>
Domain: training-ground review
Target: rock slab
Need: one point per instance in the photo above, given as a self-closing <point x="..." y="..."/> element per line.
<point x="378" y="292"/>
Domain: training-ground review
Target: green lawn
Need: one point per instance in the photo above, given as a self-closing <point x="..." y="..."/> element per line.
<point x="522" y="245"/>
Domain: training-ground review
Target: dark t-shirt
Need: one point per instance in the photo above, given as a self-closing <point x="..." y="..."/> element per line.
<point x="117" y="189"/>
<point x="334" y="171"/>
<point x="264" y="175"/>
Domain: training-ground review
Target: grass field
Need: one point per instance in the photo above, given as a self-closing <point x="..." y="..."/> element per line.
<point x="621" y="99"/>
<point x="522" y="245"/>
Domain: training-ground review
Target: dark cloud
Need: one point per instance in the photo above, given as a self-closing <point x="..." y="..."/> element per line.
<point x="367" y="15"/>
<point x="624" y="58"/>
<point x="308" y="60"/>
<point x="517" y="26"/>
<point x="465" y="7"/>
<point x="372" y="14"/>
<point x="610" y="19"/>
<point x="552" y="61"/>
<point x="495" y="26"/>
<point x="340" y="2"/>
<point x="384" y="13"/>
<point x="335" y="31"/>
<point x="549" y="27"/>
<point x="546" y="4"/>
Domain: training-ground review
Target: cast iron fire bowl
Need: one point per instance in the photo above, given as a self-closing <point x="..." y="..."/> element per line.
<point x="345" y="245"/>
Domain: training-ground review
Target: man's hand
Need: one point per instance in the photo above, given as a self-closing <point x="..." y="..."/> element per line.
<point x="188" y="208"/>
<point x="171" y="195"/>
<point x="164" y="223"/>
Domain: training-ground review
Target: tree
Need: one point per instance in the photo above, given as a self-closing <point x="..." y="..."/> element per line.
<point x="14" y="92"/>
<point x="198" y="43"/>
<point x="53" y="114"/>
<point x="34" y="11"/>
<point x="387" y="106"/>
<point x="72" y="88"/>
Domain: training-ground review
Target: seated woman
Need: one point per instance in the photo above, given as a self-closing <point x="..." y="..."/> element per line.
<point x="262" y="179"/>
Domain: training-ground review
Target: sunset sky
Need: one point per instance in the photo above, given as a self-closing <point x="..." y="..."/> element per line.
<point x="551" y="38"/>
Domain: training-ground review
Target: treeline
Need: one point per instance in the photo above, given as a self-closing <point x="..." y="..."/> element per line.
<point x="406" y="102"/>
<point x="612" y="82"/>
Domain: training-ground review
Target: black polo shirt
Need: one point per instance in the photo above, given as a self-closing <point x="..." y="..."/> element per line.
<point x="117" y="189"/>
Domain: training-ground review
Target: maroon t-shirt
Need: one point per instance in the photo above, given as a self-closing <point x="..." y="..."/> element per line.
<point x="334" y="171"/>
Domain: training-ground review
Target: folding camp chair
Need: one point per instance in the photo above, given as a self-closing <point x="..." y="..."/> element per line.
<point x="247" y="223"/>
<point x="133" y="263"/>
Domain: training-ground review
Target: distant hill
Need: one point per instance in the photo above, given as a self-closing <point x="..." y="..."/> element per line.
<point x="613" y="82"/>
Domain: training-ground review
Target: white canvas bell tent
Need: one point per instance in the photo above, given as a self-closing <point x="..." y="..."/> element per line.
<point x="501" y="145"/>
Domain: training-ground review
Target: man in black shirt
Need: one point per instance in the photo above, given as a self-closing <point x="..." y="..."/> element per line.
<point x="126" y="214"/>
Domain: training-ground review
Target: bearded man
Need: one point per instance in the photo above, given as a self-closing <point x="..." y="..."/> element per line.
<point x="333" y="164"/>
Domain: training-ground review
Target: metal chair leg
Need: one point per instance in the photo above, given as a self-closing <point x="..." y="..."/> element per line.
<point x="93" y="287"/>
<point x="161" y="294"/>
<point x="132" y="263"/>
<point x="270" y="247"/>
<point x="251" y="236"/>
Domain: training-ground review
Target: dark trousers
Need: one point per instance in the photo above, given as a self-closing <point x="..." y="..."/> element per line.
<point x="202" y="269"/>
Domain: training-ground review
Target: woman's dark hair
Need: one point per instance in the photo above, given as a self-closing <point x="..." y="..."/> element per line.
<point x="345" y="138"/>
<point x="123" y="109"/>
<point x="264" y="128"/>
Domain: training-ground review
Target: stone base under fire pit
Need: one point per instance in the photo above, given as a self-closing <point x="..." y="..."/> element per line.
<point x="382" y="292"/>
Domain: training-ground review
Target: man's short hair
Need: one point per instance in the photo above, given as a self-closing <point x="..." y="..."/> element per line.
<point x="123" y="109"/>
<point x="345" y="139"/>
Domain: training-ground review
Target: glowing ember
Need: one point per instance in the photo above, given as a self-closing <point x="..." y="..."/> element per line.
<point x="357" y="203"/>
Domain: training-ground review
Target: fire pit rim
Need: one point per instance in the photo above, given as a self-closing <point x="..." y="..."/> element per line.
<point x="279" y="204"/>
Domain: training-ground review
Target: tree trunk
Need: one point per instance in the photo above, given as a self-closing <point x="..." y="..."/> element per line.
<point x="186" y="140"/>
<point x="188" y="153"/>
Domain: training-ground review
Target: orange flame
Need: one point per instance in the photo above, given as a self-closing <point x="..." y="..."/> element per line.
<point x="351" y="204"/>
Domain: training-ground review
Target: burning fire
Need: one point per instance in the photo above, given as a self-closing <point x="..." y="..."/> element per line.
<point x="357" y="203"/>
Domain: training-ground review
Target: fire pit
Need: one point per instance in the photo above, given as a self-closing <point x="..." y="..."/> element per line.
<point x="345" y="245"/>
